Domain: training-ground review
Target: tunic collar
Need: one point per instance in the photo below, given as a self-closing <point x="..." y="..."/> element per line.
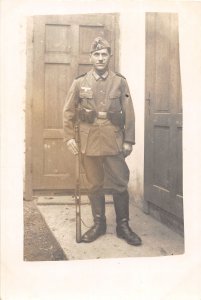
<point x="103" y="76"/>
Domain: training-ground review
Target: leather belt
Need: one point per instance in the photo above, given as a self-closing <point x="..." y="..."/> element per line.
<point x="102" y="115"/>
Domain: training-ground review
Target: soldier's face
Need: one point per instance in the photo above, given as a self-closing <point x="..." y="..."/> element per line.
<point x="100" y="60"/>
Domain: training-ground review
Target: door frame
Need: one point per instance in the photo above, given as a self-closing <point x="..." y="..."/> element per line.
<point x="28" y="193"/>
<point x="28" y="189"/>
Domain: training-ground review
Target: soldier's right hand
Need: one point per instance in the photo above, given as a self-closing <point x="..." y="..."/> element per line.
<point x="72" y="146"/>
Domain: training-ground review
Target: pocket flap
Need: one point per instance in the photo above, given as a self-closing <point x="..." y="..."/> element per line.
<point x="86" y="94"/>
<point x="84" y="128"/>
<point x="115" y="95"/>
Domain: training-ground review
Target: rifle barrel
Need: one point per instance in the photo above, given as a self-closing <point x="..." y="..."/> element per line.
<point x="77" y="188"/>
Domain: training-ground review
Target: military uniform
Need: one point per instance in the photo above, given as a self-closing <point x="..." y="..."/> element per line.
<point x="102" y="94"/>
<point x="106" y="121"/>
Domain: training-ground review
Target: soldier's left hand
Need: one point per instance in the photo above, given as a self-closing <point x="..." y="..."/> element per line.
<point x="127" y="149"/>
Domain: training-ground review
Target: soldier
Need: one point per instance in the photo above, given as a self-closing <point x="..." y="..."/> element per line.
<point x="107" y="133"/>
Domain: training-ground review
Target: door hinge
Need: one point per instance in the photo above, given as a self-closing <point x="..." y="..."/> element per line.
<point x="148" y="101"/>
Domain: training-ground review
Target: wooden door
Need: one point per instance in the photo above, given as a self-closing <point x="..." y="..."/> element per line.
<point x="163" y="120"/>
<point x="61" y="52"/>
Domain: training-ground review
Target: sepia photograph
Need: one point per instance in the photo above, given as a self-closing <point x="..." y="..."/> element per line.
<point x="88" y="133"/>
<point x="97" y="132"/>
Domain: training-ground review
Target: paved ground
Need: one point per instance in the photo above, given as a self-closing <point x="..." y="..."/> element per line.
<point x="59" y="215"/>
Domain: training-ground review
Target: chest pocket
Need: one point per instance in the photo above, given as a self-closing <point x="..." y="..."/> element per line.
<point x="86" y="98"/>
<point x="115" y="101"/>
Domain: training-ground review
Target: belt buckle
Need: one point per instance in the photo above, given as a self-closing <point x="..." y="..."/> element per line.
<point x="102" y="115"/>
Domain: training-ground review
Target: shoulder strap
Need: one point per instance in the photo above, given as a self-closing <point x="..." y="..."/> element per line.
<point x="120" y="75"/>
<point x="82" y="75"/>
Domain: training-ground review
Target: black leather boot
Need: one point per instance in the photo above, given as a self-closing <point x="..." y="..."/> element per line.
<point x="97" y="201"/>
<point x="121" y="204"/>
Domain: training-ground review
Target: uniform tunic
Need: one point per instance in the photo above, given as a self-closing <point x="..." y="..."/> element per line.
<point x="109" y="92"/>
<point x="101" y="141"/>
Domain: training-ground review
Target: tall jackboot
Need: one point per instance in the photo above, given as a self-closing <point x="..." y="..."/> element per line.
<point x="121" y="204"/>
<point x="97" y="201"/>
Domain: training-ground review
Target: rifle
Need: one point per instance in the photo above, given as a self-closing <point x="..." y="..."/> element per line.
<point x="77" y="185"/>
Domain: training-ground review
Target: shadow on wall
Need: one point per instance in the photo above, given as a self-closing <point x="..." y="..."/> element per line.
<point x="135" y="189"/>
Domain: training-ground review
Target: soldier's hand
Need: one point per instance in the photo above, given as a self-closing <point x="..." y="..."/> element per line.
<point x="72" y="146"/>
<point x="127" y="149"/>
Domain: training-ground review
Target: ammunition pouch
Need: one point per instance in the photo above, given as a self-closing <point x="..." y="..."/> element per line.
<point x="116" y="118"/>
<point x="87" y="115"/>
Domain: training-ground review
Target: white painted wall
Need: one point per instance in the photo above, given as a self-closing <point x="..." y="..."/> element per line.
<point x="132" y="66"/>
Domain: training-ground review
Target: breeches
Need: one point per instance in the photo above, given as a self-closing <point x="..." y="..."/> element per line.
<point x="114" y="166"/>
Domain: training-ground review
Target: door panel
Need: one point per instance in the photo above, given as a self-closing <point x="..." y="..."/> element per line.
<point x="56" y="79"/>
<point x="61" y="52"/>
<point x="163" y="116"/>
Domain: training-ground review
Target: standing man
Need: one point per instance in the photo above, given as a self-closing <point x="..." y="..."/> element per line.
<point x="107" y="133"/>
